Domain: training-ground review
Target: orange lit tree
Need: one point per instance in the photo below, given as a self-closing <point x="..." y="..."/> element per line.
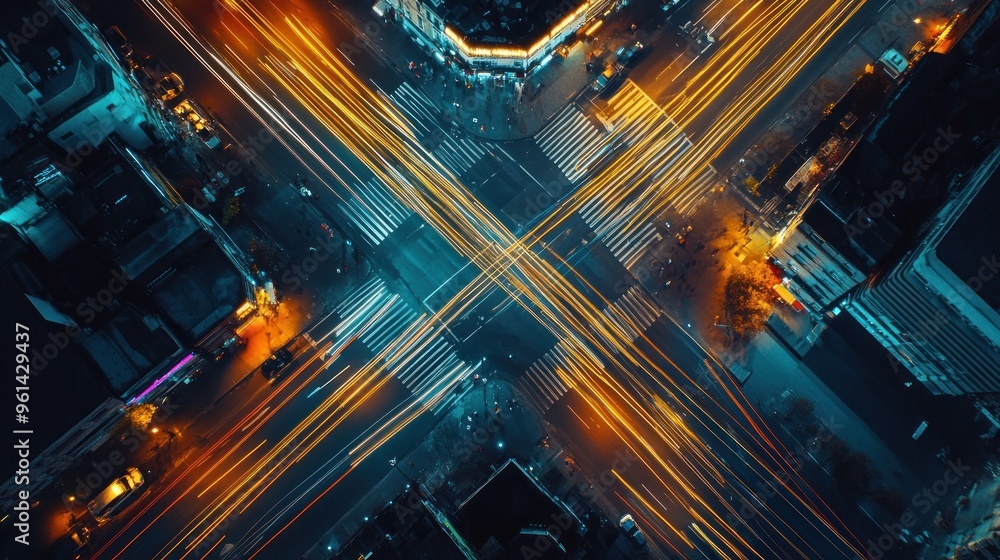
<point x="748" y="298"/>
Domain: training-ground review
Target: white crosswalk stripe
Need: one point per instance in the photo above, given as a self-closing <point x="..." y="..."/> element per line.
<point x="374" y="211"/>
<point x="551" y="376"/>
<point x="394" y="320"/>
<point x="458" y="153"/>
<point x="418" y="109"/>
<point x="422" y="360"/>
<point x="572" y="142"/>
<point x="628" y="249"/>
<point x="427" y="365"/>
<point x="621" y="223"/>
<point x="632" y="313"/>
<point x="694" y="193"/>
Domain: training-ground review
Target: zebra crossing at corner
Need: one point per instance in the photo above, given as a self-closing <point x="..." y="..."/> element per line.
<point x="572" y="142"/>
<point x="628" y="249"/>
<point x="426" y="364"/>
<point x="459" y="154"/>
<point x="375" y="211"/>
<point x="395" y="319"/>
<point x="551" y="376"/>
<point x="419" y="110"/>
<point x="632" y="313"/>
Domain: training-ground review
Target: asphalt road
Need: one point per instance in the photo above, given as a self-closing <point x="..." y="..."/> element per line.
<point x="417" y="262"/>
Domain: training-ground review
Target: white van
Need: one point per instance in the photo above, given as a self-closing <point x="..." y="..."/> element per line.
<point x="116" y="496"/>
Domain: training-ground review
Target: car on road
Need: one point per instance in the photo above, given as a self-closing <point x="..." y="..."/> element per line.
<point x="116" y="496"/>
<point x="274" y="366"/>
<point x="194" y="116"/>
<point x="605" y="77"/>
<point x="632" y="530"/>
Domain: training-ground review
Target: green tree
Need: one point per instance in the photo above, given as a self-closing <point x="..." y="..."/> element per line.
<point x="752" y="185"/>
<point x="801" y="416"/>
<point x="869" y="92"/>
<point x="749" y="297"/>
<point x="137" y="417"/>
<point x="890" y="500"/>
<point x="267" y="254"/>
<point x="231" y="210"/>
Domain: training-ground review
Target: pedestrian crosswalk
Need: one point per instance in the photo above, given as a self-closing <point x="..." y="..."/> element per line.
<point x="420" y="358"/>
<point x="375" y="211"/>
<point x="572" y="142"/>
<point x="632" y="313"/>
<point x="419" y="110"/>
<point x="620" y="225"/>
<point x="426" y="364"/>
<point x="548" y="378"/>
<point x="458" y="153"/>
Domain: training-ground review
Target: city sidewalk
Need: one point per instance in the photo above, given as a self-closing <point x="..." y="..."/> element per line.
<point x="499" y="109"/>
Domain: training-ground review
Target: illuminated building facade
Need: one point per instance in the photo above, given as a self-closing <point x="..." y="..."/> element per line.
<point x="937" y="310"/>
<point x="497" y="37"/>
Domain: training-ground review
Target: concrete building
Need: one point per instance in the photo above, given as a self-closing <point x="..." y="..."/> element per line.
<point x="510" y="516"/>
<point x="65" y="85"/>
<point x="495" y="37"/>
<point x="122" y="286"/>
<point x="937" y="310"/>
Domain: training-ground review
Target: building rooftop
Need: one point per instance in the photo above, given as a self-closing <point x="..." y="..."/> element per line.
<point x="198" y="293"/>
<point x="64" y="388"/>
<point x="161" y="246"/>
<point x="511" y="510"/>
<point x="504" y="22"/>
<point x="127" y="347"/>
<point x="968" y="247"/>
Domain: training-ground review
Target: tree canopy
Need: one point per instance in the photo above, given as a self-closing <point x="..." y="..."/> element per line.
<point x="749" y="296"/>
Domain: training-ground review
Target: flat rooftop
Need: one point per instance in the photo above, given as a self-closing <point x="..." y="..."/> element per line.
<point x="64" y="387"/>
<point x="511" y="502"/>
<point x="503" y="23"/>
<point x="200" y="292"/>
<point x="971" y="243"/>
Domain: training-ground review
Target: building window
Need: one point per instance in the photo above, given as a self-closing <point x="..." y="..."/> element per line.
<point x="67" y="136"/>
<point x="111" y="107"/>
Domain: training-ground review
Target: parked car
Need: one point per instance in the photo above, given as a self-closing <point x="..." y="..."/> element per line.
<point x="191" y="113"/>
<point x="274" y="366"/>
<point x="116" y="496"/>
<point x="632" y="530"/>
<point x="627" y="54"/>
<point x="168" y="87"/>
<point x="604" y="78"/>
<point x="119" y="43"/>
